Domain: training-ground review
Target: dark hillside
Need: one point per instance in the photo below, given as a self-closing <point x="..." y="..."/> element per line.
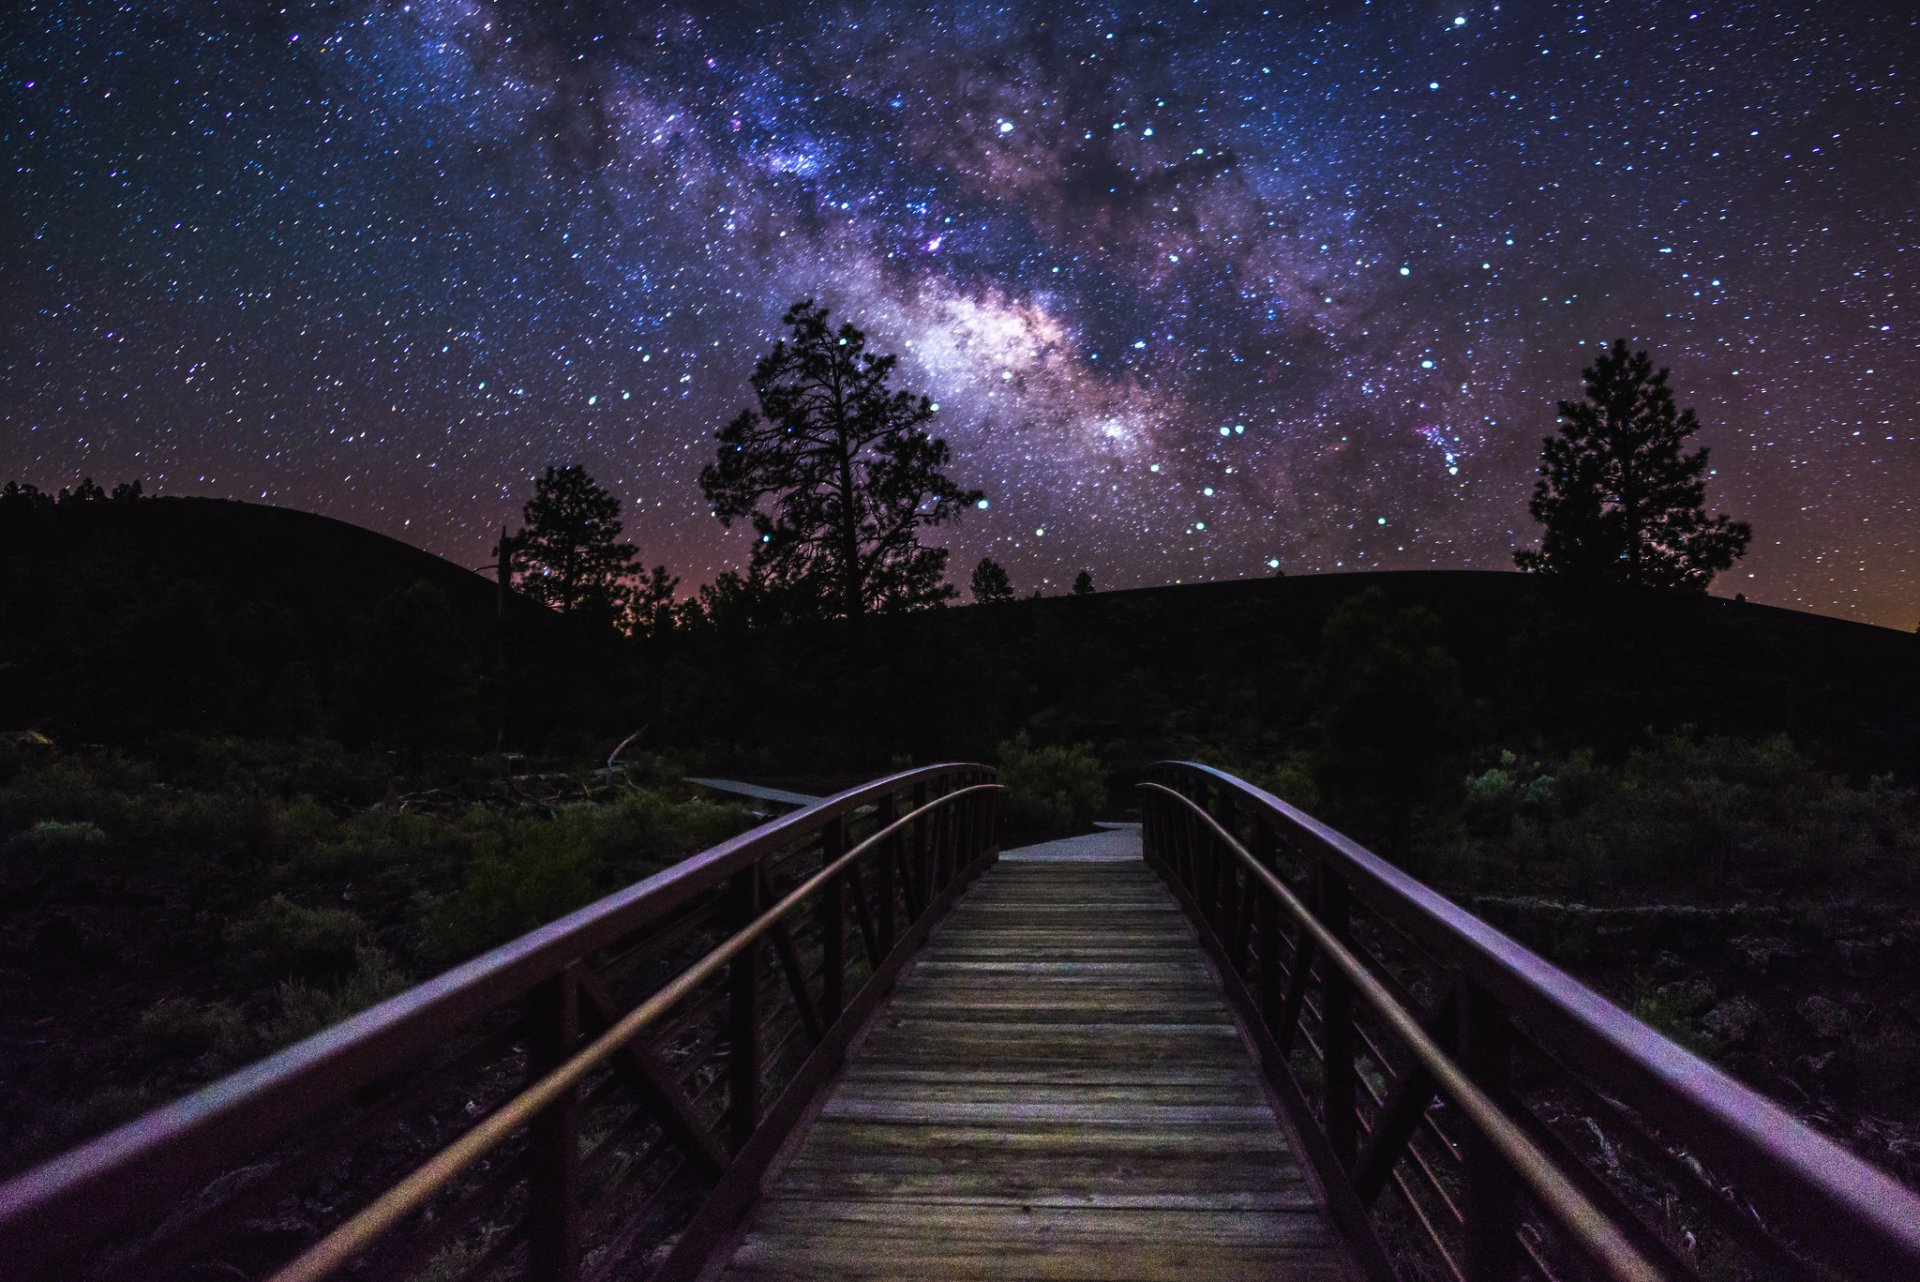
<point x="123" y="619"/>
<point x="1229" y="664"/>
<point x="242" y="552"/>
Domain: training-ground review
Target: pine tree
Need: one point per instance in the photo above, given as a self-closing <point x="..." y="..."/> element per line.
<point x="1619" y="500"/>
<point x="838" y="476"/>
<point x="1083" y="583"/>
<point x="569" y="556"/>
<point x="990" y="581"/>
<point x="653" y="606"/>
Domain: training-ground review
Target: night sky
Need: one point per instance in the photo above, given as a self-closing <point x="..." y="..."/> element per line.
<point x="1199" y="289"/>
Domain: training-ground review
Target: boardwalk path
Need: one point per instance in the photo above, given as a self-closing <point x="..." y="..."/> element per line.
<point x="1056" y="1090"/>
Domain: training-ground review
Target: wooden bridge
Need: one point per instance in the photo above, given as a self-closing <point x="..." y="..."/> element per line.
<point x="861" y="1042"/>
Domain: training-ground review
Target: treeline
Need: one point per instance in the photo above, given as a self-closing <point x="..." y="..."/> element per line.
<point x="844" y="486"/>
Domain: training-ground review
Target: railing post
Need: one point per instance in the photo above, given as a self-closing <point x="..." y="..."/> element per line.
<point x="833" y="926"/>
<point x="962" y="828"/>
<point x="1267" y="925"/>
<point x="1226" y="881"/>
<point x="553" y="1174"/>
<point x="1337" y="1013"/>
<point x="1293" y="1006"/>
<point x="1189" y="829"/>
<point x="1206" y="850"/>
<point x="973" y="825"/>
<point x="743" y="1016"/>
<point x="885" y="857"/>
<point x="944" y="863"/>
<point x="919" y="873"/>
<point x="1486" y="1041"/>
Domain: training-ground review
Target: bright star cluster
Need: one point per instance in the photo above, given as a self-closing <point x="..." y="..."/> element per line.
<point x="1203" y="290"/>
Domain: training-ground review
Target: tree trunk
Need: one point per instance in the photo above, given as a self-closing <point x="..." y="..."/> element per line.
<point x="852" y="595"/>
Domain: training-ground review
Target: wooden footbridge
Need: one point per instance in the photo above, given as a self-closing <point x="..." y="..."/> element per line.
<point x="862" y="1042"/>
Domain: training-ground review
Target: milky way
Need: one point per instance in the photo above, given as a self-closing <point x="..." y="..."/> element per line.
<point x="1200" y="290"/>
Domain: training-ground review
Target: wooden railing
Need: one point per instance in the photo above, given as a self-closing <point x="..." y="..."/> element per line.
<point x="1522" y="1124"/>
<point x="561" y="1107"/>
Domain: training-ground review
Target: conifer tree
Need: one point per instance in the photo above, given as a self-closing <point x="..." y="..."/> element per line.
<point x="653" y="602"/>
<point x="569" y="556"/>
<point x="1083" y="583"/>
<point x="838" y="476"/>
<point x="1618" y="498"/>
<point x="990" y="581"/>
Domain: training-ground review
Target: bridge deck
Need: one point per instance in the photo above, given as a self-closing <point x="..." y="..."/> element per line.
<point x="1056" y="1090"/>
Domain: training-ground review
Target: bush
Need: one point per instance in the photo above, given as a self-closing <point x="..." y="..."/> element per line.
<point x="98" y="790"/>
<point x="1051" y="789"/>
<point x="1291" y="781"/>
<point x="1722" y="813"/>
<point x="643" y="824"/>
<point x="306" y="1009"/>
<point x="281" y="939"/>
<point x="53" y="841"/>
<point x="1677" y="1009"/>
<point x="507" y="893"/>
<point x="182" y="1026"/>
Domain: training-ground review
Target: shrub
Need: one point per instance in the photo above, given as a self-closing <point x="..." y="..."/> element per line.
<point x="1051" y="789"/>
<point x="182" y="1026"/>
<point x="644" y="824"/>
<point x="280" y="939"/>
<point x="306" y="1008"/>
<point x="97" y="790"/>
<point x="53" y="841"/>
<point x="1722" y="813"/>
<point x="1291" y="781"/>
<point x="506" y="893"/>
<point x="1676" y="1010"/>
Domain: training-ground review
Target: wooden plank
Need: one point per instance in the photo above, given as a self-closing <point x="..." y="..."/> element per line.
<point x="1056" y="1090"/>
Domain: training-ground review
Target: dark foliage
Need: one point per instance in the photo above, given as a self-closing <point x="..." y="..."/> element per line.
<point x="569" y="556"/>
<point x="838" y="476"/>
<point x="1083" y="583"/>
<point x="1619" y="499"/>
<point x="990" y="582"/>
<point x="411" y="681"/>
<point x="1396" y="724"/>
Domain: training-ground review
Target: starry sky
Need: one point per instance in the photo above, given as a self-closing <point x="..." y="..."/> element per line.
<point x="1200" y="289"/>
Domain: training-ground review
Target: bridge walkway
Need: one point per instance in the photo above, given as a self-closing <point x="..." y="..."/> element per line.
<point x="1056" y="1089"/>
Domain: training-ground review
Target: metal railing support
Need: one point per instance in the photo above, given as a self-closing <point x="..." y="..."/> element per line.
<point x="1503" y="1190"/>
<point x="553" y="1179"/>
<point x="159" y="1198"/>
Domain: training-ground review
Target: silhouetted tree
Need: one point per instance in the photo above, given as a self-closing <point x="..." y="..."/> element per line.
<point x="569" y="556"/>
<point x="85" y="492"/>
<point x="653" y="609"/>
<point x="1395" y="723"/>
<point x="838" y="476"/>
<point x="22" y="497"/>
<point x="990" y="581"/>
<point x="128" y="491"/>
<point x="1619" y="500"/>
<point x="735" y="601"/>
<point x="1083" y="583"/>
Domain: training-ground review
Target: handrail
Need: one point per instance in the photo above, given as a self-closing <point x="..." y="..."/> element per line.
<point x="348" y="1240"/>
<point x="127" y="1181"/>
<point x="1824" y="1198"/>
<point x="1576" y="1213"/>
